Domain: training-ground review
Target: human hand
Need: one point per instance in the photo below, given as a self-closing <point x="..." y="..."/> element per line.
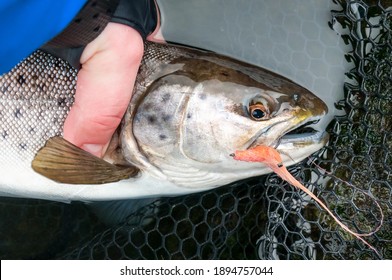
<point x="104" y="87"/>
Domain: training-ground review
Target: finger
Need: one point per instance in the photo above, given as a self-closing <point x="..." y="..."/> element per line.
<point x="104" y="87"/>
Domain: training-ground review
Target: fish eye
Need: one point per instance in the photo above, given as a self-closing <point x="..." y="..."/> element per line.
<point x="258" y="112"/>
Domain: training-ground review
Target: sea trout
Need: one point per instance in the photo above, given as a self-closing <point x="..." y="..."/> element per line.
<point x="189" y="111"/>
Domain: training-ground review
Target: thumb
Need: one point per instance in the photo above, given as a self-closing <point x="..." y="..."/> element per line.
<point x="104" y="87"/>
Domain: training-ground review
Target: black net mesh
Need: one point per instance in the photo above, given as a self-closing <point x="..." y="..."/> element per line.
<point x="37" y="229"/>
<point x="261" y="217"/>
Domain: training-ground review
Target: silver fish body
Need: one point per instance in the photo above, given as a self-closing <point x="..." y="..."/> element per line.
<point x="190" y="110"/>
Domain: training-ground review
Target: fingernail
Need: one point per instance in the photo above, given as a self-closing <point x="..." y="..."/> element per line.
<point x="94" y="149"/>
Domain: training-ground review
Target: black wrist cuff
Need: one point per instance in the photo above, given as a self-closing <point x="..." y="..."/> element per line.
<point x="83" y="29"/>
<point x="93" y="18"/>
<point x="138" y="14"/>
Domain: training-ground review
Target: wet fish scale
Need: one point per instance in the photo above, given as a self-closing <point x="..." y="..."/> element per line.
<point x="35" y="99"/>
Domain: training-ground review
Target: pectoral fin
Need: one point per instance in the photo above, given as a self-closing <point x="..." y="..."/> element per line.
<point x="63" y="162"/>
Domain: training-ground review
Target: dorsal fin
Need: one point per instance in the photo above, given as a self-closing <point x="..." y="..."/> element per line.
<point x="63" y="162"/>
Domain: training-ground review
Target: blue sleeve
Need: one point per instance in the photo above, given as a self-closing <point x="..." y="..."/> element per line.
<point x="25" y="25"/>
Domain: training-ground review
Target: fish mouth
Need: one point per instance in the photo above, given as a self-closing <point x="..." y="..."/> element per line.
<point x="303" y="136"/>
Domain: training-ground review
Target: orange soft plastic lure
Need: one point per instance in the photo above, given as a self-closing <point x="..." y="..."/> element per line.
<point x="272" y="158"/>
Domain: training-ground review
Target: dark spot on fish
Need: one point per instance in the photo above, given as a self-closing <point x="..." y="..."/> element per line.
<point x="202" y="96"/>
<point x="189" y="115"/>
<point x="23" y="146"/>
<point x="147" y="106"/>
<point x="4" y="134"/>
<point x="61" y="101"/>
<point x="224" y="74"/>
<point x="151" y="119"/>
<point x="78" y="20"/>
<point x="239" y="109"/>
<point x="18" y="113"/>
<point x="166" y="97"/>
<point x="21" y="80"/>
<point x="3" y="89"/>
<point x="96" y="16"/>
<point x="96" y="29"/>
<point x="162" y="137"/>
<point x="166" y="118"/>
<point x="93" y="4"/>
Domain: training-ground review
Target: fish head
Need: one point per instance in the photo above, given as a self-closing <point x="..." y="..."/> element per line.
<point x="223" y="117"/>
<point x="196" y="116"/>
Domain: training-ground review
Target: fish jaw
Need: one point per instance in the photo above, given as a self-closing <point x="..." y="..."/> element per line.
<point x="303" y="139"/>
<point x="299" y="139"/>
<point x="295" y="148"/>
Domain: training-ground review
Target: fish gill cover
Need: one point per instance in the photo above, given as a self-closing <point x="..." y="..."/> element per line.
<point x="261" y="217"/>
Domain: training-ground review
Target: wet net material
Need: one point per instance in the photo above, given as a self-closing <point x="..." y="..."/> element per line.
<point x="264" y="217"/>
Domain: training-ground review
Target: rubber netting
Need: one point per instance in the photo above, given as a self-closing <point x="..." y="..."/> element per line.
<point x="262" y="217"/>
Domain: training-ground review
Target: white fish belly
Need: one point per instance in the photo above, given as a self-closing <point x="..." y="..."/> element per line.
<point x="18" y="179"/>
